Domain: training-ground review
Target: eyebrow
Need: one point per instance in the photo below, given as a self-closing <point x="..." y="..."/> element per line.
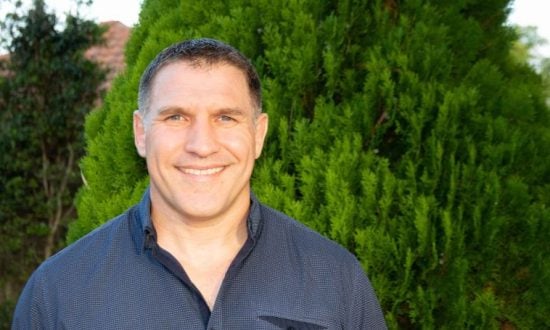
<point x="229" y="111"/>
<point x="171" y="110"/>
<point x="222" y="111"/>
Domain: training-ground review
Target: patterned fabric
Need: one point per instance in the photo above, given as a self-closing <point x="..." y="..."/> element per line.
<point x="285" y="277"/>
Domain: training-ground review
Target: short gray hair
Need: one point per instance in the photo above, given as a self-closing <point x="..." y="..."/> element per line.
<point x="199" y="52"/>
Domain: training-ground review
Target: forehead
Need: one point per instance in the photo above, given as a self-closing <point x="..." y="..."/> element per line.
<point x="195" y="80"/>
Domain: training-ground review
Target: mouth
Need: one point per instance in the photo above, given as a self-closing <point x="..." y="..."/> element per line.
<point x="202" y="172"/>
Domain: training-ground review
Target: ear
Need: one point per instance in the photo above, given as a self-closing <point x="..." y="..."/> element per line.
<point x="261" y="131"/>
<point x="139" y="133"/>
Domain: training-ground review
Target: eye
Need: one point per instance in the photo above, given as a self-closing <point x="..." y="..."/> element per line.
<point x="176" y="117"/>
<point x="226" y="118"/>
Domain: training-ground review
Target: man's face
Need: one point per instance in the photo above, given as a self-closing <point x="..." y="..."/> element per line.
<point x="200" y="138"/>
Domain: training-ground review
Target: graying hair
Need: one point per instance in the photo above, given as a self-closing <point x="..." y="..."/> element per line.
<point x="200" y="52"/>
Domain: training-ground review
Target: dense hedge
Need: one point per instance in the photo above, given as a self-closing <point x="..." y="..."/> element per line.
<point x="46" y="88"/>
<point x="401" y="129"/>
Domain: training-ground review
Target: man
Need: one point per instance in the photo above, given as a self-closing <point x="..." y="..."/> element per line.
<point x="200" y="251"/>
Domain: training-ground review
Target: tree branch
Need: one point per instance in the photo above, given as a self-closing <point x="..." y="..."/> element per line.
<point x="55" y="221"/>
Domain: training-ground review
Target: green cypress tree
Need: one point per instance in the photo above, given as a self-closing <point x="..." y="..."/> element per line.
<point x="403" y="130"/>
<point x="46" y="89"/>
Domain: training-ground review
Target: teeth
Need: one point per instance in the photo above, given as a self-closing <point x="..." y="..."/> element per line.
<point x="209" y="171"/>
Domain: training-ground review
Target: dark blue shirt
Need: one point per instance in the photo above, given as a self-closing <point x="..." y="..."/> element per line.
<point x="117" y="277"/>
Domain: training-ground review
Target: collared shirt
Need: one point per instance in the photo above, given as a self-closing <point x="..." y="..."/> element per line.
<point x="117" y="277"/>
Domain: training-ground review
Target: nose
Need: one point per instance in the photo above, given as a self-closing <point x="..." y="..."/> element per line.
<point x="201" y="138"/>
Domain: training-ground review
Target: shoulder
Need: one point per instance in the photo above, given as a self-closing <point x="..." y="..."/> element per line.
<point x="305" y="241"/>
<point x="327" y="277"/>
<point x="89" y="251"/>
<point x="61" y="279"/>
<point x="114" y="232"/>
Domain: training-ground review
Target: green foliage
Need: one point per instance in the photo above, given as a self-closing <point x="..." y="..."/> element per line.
<point x="524" y="52"/>
<point x="527" y="41"/>
<point x="403" y="130"/>
<point x="48" y="88"/>
<point x="6" y="310"/>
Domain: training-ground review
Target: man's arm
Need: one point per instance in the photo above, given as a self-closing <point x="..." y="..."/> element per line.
<point x="29" y="312"/>
<point x="364" y="311"/>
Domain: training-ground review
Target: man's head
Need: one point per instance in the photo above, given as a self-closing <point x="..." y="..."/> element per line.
<point x="200" y="53"/>
<point x="200" y="131"/>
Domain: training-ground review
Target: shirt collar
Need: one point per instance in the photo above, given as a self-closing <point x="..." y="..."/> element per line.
<point x="145" y="234"/>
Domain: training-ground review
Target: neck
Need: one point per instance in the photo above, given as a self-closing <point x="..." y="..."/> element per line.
<point x="204" y="249"/>
<point x="185" y="236"/>
<point x="182" y="235"/>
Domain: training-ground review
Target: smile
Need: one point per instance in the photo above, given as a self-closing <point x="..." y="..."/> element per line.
<point x="209" y="171"/>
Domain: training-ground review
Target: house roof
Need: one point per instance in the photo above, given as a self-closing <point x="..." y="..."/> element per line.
<point x="109" y="54"/>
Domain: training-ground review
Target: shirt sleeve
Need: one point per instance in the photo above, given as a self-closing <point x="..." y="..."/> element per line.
<point x="30" y="310"/>
<point x="364" y="311"/>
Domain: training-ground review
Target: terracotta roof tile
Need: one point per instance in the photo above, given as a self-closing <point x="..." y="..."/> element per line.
<point x="110" y="54"/>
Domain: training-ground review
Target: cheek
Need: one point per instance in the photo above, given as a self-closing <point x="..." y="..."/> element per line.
<point x="160" y="142"/>
<point x="240" y="143"/>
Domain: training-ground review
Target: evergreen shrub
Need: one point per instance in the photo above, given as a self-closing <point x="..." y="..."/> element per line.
<point x="401" y="129"/>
